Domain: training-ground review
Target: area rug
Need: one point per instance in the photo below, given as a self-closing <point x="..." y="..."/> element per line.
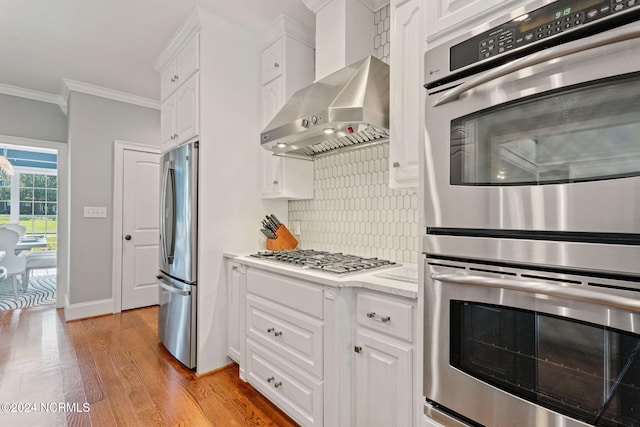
<point x="42" y="290"/>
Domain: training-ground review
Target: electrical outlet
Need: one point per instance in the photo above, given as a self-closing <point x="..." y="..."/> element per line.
<point x="95" y="212"/>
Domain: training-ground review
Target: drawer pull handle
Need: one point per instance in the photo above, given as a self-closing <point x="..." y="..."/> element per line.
<point x="278" y="384"/>
<point x="278" y="334"/>
<point x="374" y="316"/>
<point x="270" y="379"/>
<point x="270" y="330"/>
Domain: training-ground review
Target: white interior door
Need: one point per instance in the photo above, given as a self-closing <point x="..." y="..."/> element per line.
<point x="140" y="228"/>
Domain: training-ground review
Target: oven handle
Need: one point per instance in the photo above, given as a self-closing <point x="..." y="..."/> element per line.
<point x="586" y="295"/>
<point x="611" y="37"/>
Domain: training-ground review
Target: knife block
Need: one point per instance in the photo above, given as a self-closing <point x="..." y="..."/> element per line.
<point x="285" y="240"/>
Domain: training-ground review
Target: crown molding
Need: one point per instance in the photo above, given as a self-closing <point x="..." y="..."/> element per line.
<point x="72" y="85"/>
<point x="315" y="5"/>
<point x="181" y="36"/>
<point x="373" y="5"/>
<point x="287" y="26"/>
<point x="35" y="95"/>
<point x="202" y="18"/>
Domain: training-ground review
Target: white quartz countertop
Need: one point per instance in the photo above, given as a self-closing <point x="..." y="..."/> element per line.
<point x="398" y="280"/>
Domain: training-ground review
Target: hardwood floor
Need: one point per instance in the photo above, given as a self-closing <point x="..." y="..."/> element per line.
<point x="113" y="371"/>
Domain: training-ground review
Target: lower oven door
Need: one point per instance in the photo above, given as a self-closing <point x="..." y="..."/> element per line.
<point x="512" y="347"/>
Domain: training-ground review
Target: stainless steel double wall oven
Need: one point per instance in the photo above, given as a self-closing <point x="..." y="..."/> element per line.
<point x="532" y="214"/>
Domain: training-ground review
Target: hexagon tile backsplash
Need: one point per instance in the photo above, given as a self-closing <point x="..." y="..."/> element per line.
<point x="354" y="211"/>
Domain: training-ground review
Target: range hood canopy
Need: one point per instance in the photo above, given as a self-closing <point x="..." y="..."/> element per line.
<point x="347" y="108"/>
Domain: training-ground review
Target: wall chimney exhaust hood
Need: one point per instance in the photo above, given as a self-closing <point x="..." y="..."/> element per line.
<point x="348" y="108"/>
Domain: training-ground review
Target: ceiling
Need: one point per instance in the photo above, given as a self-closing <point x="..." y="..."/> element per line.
<point x="113" y="43"/>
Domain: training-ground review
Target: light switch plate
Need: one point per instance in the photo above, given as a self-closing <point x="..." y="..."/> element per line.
<point x="95" y="212"/>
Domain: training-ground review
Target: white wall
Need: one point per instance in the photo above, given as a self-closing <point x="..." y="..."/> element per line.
<point x="230" y="206"/>
<point x="93" y="124"/>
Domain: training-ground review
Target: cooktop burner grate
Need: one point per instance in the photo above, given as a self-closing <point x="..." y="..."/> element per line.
<point x="337" y="263"/>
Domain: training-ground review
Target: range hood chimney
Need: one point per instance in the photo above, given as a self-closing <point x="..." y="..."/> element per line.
<point x="348" y="105"/>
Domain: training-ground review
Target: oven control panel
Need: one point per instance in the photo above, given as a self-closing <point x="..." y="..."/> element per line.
<point x="541" y="24"/>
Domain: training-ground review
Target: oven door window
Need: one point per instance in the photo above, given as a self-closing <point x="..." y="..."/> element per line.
<point x="585" y="371"/>
<point x="581" y="133"/>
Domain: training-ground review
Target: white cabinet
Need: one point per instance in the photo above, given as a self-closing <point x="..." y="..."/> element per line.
<point x="179" y="88"/>
<point x="446" y="16"/>
<point x="284" y="332"/>
<point x="287" y="66"/>
<point x="186" y="63"/>
<point x="405" y="96"/>
<point x="180" y="114"/>
<point x="383" y="360"/>
<point x="236" y="288"/>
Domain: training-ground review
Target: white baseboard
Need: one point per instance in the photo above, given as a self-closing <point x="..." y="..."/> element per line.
<point x="87" y="309"/>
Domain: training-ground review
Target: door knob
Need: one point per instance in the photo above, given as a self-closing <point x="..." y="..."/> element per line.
<point x="127" y="237"/>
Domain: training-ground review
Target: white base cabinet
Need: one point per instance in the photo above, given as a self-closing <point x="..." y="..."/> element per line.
<point x="284" y="333"/>
<point x="326" y="356"/>
<point x="297" y="394"/>
<point x="383" y="381"/>
<point x="384" y="360"/>
<point x="236" y="288"/>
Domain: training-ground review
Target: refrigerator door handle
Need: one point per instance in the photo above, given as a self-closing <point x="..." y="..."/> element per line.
<point x="168" y="217"/>
<point x="172" y="289"/>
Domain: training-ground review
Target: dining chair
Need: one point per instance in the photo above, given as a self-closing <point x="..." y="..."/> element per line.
<point x="14" y="264"/>
<point x="19" y="228"/>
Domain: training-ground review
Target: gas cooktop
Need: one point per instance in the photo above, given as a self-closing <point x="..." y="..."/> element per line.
<point x="337" y="263"/>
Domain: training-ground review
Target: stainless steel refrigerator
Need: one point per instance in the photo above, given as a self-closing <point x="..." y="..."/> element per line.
<point x="178" y="277"/>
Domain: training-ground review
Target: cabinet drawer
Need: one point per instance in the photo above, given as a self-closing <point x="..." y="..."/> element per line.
<point x="273" y="61"/>
<point x="386" y="314"/>
<point x="288" y="333"/>
<point x="296" y="394"/>
<point x="293" y="293"/>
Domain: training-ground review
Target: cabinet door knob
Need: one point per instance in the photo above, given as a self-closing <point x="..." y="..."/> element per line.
<point x="396" y="164"/>
<point x="275" y="182"/>
<point x="235" y="267"/>
<point x="276" y="65"/>
<point x="176" y="77"/>
<point x="127" y="237"/>
<point x="175" y="135"/>
<point x="357" y="349"/>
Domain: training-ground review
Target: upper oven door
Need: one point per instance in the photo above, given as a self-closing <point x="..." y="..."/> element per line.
<point x="547" y="142"/>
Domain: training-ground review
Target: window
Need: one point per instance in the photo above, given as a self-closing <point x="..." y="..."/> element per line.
<point x="30" y="195"/>
<point x="5" y="197"/>
<point x="38" y="203"/>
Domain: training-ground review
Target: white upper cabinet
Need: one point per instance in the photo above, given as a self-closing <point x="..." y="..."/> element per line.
<point x="187" y="109"/>
<point x="181" y="68"/>
<point x="445" y="16"/>
<point x="272" y="58"/>
<point x="179" y="87"/>
<point x="287" y="66"/>
<point x="405" y="94"/>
